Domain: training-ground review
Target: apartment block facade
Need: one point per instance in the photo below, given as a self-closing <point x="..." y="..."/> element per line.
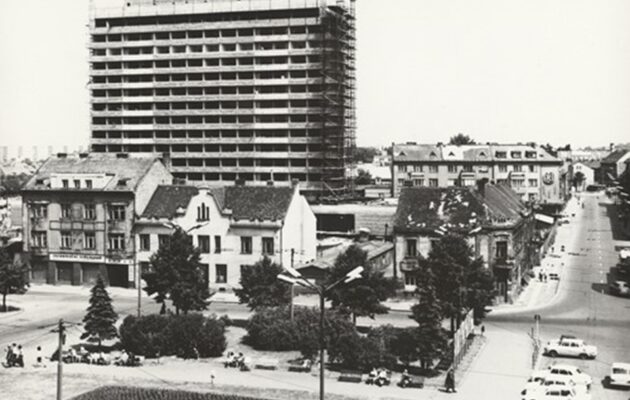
<point x="79" y="213"/>
<point x="227" y="90"/>
<point x="530" y="170"/>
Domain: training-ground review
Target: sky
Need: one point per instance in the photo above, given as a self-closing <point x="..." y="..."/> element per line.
<point x="497" y="70"/>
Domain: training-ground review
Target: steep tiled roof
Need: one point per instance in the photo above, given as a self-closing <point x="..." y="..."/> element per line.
<point x="258" y="202"/>
<point x="614" y="156"/>
<point x="130" y="169"/>
<point x="423" y="209"/>
<point x="167" y="199"/>
<point x="245" y="202"/>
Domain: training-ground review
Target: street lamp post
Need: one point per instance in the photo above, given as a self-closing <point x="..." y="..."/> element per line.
<point x="297" y="278"/>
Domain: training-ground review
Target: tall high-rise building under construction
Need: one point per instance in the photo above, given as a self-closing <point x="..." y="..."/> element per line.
<point x="228" y="90"/>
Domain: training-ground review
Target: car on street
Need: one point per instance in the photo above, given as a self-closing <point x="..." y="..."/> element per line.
<point x="567" y="371"/>
<point x="536" y="388"/>
<point x="619" y="288"/>
<point x="619" y="375"/>
<point x="570" y="347"/>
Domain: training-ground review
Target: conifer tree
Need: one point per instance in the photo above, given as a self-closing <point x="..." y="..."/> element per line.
<point x="100" y="318"/>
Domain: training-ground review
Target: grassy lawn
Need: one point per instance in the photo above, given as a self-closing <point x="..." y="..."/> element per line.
<point x="138" y="393"/>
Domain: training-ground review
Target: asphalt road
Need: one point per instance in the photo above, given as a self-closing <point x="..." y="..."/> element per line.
<point x="583" y="307"/>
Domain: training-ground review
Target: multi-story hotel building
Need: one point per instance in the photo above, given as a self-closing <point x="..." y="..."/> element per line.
<point x="79" y="212"/>
<point x="227" y="90"/>
<point x="529" y="169"/>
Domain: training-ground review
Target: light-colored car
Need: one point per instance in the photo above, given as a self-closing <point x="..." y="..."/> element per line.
<point x="558" y="392"/>
<point x="619" y="288"/>
<point x="536" y="387"/>
<point x="619" y="375"/>
<point x="569" y="372"/>
<point x="570" y="347"/>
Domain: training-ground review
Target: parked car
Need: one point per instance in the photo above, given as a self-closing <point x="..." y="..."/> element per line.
<point x="558" y="392"/>
<point x="619" y="288"/>
<point x="619" y="375"/>
<point x="567" y="371"/>
<point x="570" y="347"/>
<point x="535" y="388"/>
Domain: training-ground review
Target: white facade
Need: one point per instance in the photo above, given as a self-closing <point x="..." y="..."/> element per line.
<point x="230" y="243"/>
<point x="588" y="172"/>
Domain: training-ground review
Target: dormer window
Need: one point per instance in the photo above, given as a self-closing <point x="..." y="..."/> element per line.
<point x="530" y="154"/>
<point x="432" y="155"/>
<point x="482" y="155"/>
<point x="515" y="154"/>
<point x="451" y="154"/>
<point x="88" y="183"/>
<point x="39" y="181"/>
<point x="203" y="212"/>
<point x="77" y="184"/>
<point x="500" y="154"/>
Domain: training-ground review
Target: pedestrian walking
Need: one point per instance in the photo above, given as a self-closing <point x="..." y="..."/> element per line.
<point x="39" y="359"/>
<point x="483" y="330"/>
<point x="449" y="383"/>
<point x="212" y="376"/>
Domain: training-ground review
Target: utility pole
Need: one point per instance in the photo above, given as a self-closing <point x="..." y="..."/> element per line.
<point x="291" y="308"/>
<point x="59" y="358"/>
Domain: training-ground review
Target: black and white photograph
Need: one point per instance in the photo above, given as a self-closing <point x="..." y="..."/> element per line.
<point x="314" y="199"/>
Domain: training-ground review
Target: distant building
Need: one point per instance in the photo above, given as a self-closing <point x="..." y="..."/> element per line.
<point x="348" y="219"/>
<point x="588" y="170"/>
<point x="78" y="215"/>
<point x="232" y="226"/>
<point x="613" y="166"/>
<point x="497" y="224"/>
<point x="531" y="171"/>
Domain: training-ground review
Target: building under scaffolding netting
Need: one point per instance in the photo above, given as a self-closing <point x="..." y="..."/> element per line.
<point x="249" y="91"/>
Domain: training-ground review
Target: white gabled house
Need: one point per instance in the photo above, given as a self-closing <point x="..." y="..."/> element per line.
<point x="232" y="226"/>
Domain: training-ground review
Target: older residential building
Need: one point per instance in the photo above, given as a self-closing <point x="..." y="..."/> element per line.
<point x="613" y="166"/>
<point x="588" y="172"/>
<point x="232" y="226"/>
<point x="79" y="213"/>
<point x="252" y="90"/>
<point x="497" y="224"/>
<point x="531" y="171"/>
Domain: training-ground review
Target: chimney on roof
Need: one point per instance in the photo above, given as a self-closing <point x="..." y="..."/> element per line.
<point x="83" y="155"/>
<point x="122" y="155"/>
<point x="62" y="155"/>
<point x="481" y="186"/>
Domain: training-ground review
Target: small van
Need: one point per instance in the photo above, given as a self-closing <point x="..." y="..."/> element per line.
<point x="620" y="375"/>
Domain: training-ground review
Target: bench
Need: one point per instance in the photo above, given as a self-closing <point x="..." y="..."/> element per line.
<point x="266" y="363"/>
<point x="413" y="382"/>
<point x="351" y="376"/>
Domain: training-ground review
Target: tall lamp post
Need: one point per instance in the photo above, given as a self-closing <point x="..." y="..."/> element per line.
<point x="297" y="278"/>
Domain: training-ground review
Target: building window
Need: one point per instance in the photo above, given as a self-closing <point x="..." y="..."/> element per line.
<point x="116" y="241"/>
<point x="39" y="211"/>
<point x="452" y="182"/>
<point x="530" y="154"/>
<point x="116" y="212"/>
<point x="532" y="168"/>
<point x="468" y="168"/>
<point x="267" y="245"/>
<point x="66" y="240"/>
<point x="417" y="168"/>
<point x="66" y="211"/>
<point x="163" y="240"/>
<point x="452" y="168"/>
<point x="533" y="182"/>
<point x="532" y="197"/>
<point x="402" y="168"/>
<point x="217" y="244"/>
<point x="203" y="242"/>
<point x="89" y="211"/>
<point x="89" y="240"/>
<point x="77" y="184"/>
<point x="516" y="154"/>
<point x="433" y="182"/>
<point x="203" y="212"/>
<point x="500" y="154"/>
<point x="518" y="183"/>
<point x="64" y="183"/>
<point x="410" y="279"/>
<point x="502" y="168"/>
<point x="246" y="245"/>
<point x="518" y="168"/>
<point x="418" y="182"/>
<point x="145" y="242"/>
<point x="221" y="273"/>
<point x="412" y="247"/>
<point x="433" y="168"/>
<point x="502" y="250"/>
<point x="39" y="239"/>
<point x="88" y="183"/>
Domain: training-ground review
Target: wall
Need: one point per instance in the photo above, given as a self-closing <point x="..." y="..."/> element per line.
<point x="299" y="232"/>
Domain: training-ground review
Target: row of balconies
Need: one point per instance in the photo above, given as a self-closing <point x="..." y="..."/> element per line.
<point x="209" y="97"/>
<point x="225" y="82"/>
<point x="171" y="55"/>
<point x="255" y="68"/>
<point x="210" y="111"/>
<point x="249" y="125"/>
<point x="214" y="140"/>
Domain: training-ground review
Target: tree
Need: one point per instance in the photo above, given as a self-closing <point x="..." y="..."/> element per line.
<point x="100" y="318"/>
<point x="176" y="273"/>
<point x="13" y="276"/>
<point x="362" y="297"/>
<point x="260" y="286"/>
<point x="364" y="154"/>
<point x="363" y="177"/>
<point x="13" y="183"/>
<point x="578" y="179"/>
<point x="480" y="290"/>
<point x="405" y="345"/>
<point x="460" y="139"/>
<point x="430" y="337"/>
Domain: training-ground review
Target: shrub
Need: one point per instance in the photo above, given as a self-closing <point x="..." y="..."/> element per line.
<point x="186" y="336"/>
<point x="355" y="351"/>
<point x="272" y="329"/>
